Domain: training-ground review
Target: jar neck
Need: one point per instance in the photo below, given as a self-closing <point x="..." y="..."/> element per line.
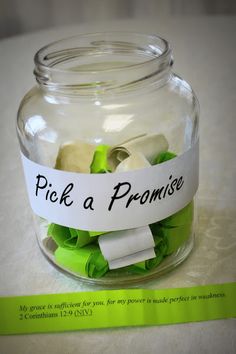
<point x="102" y="62"/>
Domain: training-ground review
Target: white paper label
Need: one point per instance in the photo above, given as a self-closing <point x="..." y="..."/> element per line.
<point x="112" y="201"/>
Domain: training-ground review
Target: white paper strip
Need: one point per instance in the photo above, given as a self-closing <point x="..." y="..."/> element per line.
<point x="132" y="259"/>
<point x="126" y="242"/>
<point x="133" y="162"/>
<point x="75" y="157"/>
<point x="149" y="145"/>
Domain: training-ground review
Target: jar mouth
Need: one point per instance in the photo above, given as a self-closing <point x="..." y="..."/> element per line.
<point x="103" y="60"/>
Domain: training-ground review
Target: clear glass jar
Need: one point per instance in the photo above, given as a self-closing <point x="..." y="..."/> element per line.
<point x="100" y="102"/>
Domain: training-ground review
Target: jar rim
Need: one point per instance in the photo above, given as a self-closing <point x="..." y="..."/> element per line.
<point x="52" y="60"/>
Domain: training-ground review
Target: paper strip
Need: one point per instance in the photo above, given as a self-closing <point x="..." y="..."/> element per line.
<point x="149" y="145"/>
<point x="68" y="237"/>
<point x="123" y="243"/>
<point x="160" y="251"/>
<point x="133" y="162"/>
<point x="75" y="157"/>
<point x="176" y="236"/>
<point x="164" y="156"/>
<point x="59" y="234"/>
<point x="132" y="258"/>
<point x="83" y="238"/>
<point x="87" y="261"/>
<point x="182" y="217"/>
<point x="96" y="233"/>
<point x="115" y="308"/>
<point x="100" y="163"/>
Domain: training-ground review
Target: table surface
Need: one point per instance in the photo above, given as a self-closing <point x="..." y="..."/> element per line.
<point x="205" y="56"/>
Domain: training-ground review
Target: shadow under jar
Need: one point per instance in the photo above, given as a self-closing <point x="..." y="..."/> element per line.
<point x="109" y="145"/>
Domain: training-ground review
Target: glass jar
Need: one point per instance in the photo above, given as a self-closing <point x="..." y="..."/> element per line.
<point x="109" y="145"/>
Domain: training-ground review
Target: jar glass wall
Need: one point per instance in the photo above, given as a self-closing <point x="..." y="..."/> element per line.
<point x="102" y="100"/>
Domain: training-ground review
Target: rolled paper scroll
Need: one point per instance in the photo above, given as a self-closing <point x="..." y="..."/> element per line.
<point x="49" y="244"/>
<point x="82" y="238"/>
<point x="132" y="258"/>
<point x="59" y="234"/>
<point x="133" y="162"/>
<point x="123" y="243"/>
<point x="87" y="261"/>
<point x="100" y="163"/>
<point x="69" y="238"/>
<point x="160" y="251"/>
<point x="75" y="157"/>
<point x="149" y="145"/>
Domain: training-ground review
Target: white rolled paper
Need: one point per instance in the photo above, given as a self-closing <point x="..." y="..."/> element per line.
<point x="133" y="162"/>
<point x="126" y="242"/>
<point x="148" y="145"/>
<point x="132" y="259"/>
<point x="75" y="157"/>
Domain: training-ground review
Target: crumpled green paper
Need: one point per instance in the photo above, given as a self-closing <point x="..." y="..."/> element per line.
<point x="176" y="236"/>
<point x="181" y="218"/>
<point x="87" y="261"/>
<point x="177" y="228"/>
<point x="160" y="250"/>
<point x="163" y="157"/>
<point x="69" y="238"/>
<point x="99" y="163"/>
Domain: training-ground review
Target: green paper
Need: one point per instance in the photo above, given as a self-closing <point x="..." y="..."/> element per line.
<point x="96" y="233"/>
<point x="175" y="236"/>
<point x="115" y="308"/>
<point x="160" y="250"/>
<point x="100" y="163"/>
<point x="87" y="261"/>
<point x="164" y="156"/>
<point x="182" y="217"/>
<point x="82" y="238"/>
<point x="69" y="238"/>
<point x="176" y="228"/>
<point x="60" y="234"/>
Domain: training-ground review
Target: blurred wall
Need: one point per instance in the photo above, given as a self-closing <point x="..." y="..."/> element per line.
<point x="19" y="16"/>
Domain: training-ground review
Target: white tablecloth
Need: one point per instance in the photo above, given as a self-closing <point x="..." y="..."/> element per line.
<point x="204" y="53"/>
